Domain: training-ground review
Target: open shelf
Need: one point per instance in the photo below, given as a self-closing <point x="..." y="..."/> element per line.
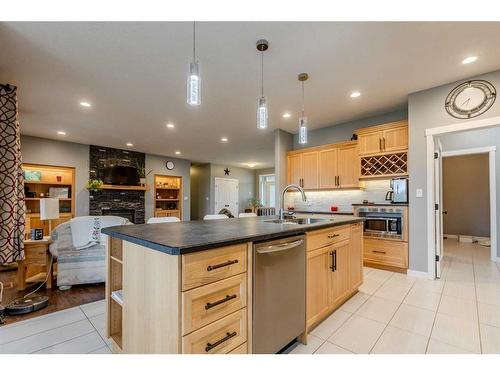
<point x="114" y="292"/>
<point x="168" y="196"/>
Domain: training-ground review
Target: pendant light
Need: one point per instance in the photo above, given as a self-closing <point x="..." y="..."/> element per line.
<point x="302" y="118"/>
<point x="262" y="110"/>
<point x="193" y="79"/>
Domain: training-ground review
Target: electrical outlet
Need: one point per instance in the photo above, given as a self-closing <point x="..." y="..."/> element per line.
<point x="420" y="193"/>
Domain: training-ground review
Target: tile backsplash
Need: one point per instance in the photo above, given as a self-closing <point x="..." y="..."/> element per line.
<point x="374" y="191"/>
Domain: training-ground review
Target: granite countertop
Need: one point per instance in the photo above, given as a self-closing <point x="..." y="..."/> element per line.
<point x="191" y="236"/>
<point x="379" y="204"/>
<point x="325" y="212"/>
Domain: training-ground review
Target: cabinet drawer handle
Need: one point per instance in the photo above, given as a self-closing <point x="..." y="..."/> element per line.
<point x="333" y="235"/>
<point x="217" y="343"/>
<point x="384" y="143"/>
<point x="380" y="144"/>
<point x="379" y="252"/>
<point x="332" y="267"/>
<point x="334" y="260"/>
<point x="225" y="264"/>
<point x="209" y="305"/>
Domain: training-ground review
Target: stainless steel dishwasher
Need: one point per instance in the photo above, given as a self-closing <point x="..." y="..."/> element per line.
<point x="279" y="293"/>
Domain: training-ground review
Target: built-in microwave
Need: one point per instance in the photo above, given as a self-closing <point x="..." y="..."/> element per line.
<point x="382" y="222"/>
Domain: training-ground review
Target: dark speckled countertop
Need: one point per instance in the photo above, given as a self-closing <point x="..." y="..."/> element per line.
<point x="190" y="236"/>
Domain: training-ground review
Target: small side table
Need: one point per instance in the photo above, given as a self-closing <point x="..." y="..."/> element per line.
<point x="36" y="253"/>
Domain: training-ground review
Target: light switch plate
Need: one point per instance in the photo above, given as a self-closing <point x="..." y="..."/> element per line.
<point x="420" y="193"/>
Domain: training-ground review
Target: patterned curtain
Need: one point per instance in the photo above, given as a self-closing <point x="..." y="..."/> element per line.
<point x="12" y="208"/>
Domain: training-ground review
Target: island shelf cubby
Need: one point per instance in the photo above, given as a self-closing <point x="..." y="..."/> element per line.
<point x="114" y="288"/>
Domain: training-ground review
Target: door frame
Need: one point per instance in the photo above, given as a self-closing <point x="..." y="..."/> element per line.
<point x="491" y="151"/>
<point x="238" y="192"/>
<point x="430" y="142"/>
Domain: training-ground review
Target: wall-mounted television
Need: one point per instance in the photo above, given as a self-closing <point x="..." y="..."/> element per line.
<point x="120" y="175"/>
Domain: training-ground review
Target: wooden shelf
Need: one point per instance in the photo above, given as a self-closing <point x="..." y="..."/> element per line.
<point x="166" y="200"/>
<point x="124" y="187"/>
<point x="116" y="260"/>
<point x="167" y="195"/>
<point x="167" y="188"/>
<point x="37" y="199"/>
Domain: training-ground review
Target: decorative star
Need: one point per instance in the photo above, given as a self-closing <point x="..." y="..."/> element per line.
<point x="226" y="172"/>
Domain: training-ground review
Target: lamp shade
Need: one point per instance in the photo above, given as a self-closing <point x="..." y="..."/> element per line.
<point x="49" y="208"/>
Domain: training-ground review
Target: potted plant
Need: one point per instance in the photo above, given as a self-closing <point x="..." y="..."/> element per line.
<point x="141" y="170"/>
<point x="254" y="203"/>
<point x="94" y="185"/>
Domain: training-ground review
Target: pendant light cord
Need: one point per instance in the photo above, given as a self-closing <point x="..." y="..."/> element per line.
<point x="194" y="41"/>
<point x="262" y="72"/>
<point x="303" y="105"/>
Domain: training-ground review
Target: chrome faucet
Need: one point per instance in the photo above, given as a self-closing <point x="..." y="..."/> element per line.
<point x="282" y="202"/>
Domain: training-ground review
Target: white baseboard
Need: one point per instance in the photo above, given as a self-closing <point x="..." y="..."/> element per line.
<point x="421" y="274"/>
<point x="451" y="236"/>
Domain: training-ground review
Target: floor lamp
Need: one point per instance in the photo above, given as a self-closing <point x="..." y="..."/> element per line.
<point x="49" y="210"/>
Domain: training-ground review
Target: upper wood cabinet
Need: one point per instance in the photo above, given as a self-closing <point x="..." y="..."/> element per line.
<point x="387" y="138"/>
<point x="326" y="167"/>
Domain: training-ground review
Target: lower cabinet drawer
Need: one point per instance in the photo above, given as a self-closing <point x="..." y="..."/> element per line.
<point x="242" y="349"/>
<point x="389" y="253"/>
<point x="219" y="337"/>
<point x="324" y="237"/>
<point x="206" y="304"/>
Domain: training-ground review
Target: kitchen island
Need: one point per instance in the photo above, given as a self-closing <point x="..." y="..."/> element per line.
<point x="186" y="287"/>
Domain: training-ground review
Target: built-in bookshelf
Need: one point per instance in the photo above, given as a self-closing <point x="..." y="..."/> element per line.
<point x="47" y="181"/>
<point x="114" y="293"/>
<point x="168" y="196"/>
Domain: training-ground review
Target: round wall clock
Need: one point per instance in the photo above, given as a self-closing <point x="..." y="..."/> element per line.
<point x="470" y="99"/>
<point x="170" y="165"/>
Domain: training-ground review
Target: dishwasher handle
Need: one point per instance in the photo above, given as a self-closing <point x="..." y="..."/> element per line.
<point x="280" y="247"/>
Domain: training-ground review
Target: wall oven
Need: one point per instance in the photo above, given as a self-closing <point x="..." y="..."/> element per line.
<point x="383" y="222"/>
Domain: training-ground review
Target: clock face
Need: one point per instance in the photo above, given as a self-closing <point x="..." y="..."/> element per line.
<point x="470" y="99"/>
<point x="170" y="165"/>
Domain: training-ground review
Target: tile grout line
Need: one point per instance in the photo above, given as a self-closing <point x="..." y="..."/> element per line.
<point x="95" y="328"/>
<point x="392" y="317"/>
<point x="62" y="342"/>
<point x="47" y="330"/>
<point x="477" y="307"/>
<point x="437" y="309"/>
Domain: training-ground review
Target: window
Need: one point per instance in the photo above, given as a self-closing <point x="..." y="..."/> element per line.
<point x="267" y="186"/>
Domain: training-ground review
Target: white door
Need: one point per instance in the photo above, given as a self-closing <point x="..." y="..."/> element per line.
<point x="438" y="205"/>
<point x="226" y="195"/>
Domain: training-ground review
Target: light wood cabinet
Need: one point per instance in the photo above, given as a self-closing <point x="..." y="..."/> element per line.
<point x="334" y="269"/>
<point x="295" y="169"/>
<point x="325" y="167"/>
<point x="383" y="139"/>
<point x="319" y="284"/>
<point x="348" y="167"/>
<point x="356" y="257"/>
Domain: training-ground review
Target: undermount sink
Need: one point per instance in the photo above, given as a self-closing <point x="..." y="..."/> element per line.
<point x="298" y="221"/>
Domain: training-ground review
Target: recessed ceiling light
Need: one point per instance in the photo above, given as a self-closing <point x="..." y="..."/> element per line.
<point x="469" y="59"/>
<point x="355" y="94"/>
<point x="170" y="125"/>
<point x="60" y="132"/>
<point x="129" y="144"/>
<point x="287" y="115"/>
<point x="223" y="139"/>
<point x="251" y="165"/>
<point x="177" y="152"/>
<point x="85" y="104"/>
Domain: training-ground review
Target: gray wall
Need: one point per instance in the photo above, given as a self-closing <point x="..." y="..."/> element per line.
<point x="426" y="110"/>
<point x="343" y="132"/>
<point x="156" y="164"/>
<point x="466" y="195"/>
<point x="246" y="189"/>
<point x="50" y="152"/>
<point x="283" y="142"/>
<point x="200" y="191"/>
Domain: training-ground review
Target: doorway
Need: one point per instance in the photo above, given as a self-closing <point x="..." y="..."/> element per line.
<point x="434" y="206"/>
<point x="226" y="195"/>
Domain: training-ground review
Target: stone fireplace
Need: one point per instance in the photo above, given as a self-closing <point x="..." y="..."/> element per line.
<point x="129" y="204"/>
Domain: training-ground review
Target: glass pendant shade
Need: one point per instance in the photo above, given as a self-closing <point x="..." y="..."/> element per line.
<point x="303" y="130"/>
<point x="194" y="84"/>
<point x="262" y="113"/>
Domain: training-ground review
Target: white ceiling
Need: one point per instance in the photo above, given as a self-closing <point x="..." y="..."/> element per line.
<point x="134" y="74"/>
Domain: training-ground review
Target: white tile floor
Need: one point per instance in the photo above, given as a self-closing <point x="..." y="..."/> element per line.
<point x="77" y="330"/>
<point x="394" y="313"/>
